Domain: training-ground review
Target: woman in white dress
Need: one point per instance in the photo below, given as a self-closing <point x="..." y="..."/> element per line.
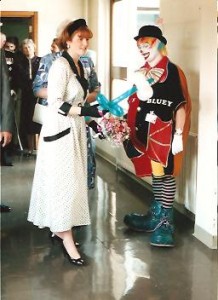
<point x="59" y="198"/>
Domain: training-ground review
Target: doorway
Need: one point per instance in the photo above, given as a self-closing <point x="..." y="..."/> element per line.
<point x="20" y="24"/>
<point x="23" y="25"/>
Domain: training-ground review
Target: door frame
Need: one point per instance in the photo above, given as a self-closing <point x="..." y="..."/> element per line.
<point x="33" y="15"/>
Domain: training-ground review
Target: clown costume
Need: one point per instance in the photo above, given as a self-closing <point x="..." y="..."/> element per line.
<point x="159" y="119"/>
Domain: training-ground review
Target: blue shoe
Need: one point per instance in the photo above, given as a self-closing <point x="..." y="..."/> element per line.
<point x="163" y="233"/>
<point x="146" y="223"/>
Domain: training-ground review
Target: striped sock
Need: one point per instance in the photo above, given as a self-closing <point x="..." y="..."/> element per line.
<point x="157" y="186"/>
<point x="168" y="192"/>
<point x="164" y="190"/>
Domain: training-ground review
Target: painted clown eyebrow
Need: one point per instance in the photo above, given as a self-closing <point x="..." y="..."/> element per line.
<point x="147" y="40"/>
<point x="144" y="45"/>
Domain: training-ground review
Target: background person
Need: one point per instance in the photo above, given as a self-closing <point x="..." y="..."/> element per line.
<point x="54" y="46"/>
<point x="29" y="130"/>
<point x="11" y="44"/>
<point x="7" y="112"/>
<point x="13" y="58"/>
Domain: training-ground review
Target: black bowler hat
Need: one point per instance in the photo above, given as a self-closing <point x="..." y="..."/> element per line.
<point x="151" y="31"/>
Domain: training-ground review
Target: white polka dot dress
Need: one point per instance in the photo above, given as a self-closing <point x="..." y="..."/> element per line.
<point x="59" y="198"/>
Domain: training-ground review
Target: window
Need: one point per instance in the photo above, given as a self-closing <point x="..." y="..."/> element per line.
<point x="128" y="17"/>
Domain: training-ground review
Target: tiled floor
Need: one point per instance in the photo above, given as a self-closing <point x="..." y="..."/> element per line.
<point x="121" y="264"/>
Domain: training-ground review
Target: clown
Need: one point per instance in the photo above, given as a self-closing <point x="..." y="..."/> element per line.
<point x="158" y="117"/>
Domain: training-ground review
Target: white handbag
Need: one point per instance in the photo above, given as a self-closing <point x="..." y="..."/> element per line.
<point x="40" y="112"/>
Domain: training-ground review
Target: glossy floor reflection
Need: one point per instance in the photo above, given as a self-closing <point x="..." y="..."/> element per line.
<point x="121" y="264"/>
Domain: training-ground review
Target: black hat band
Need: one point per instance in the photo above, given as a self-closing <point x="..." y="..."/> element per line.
<point x="76" y="25"/>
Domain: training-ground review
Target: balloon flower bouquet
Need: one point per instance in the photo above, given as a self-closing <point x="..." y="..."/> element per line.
<point x="115" y="129"/>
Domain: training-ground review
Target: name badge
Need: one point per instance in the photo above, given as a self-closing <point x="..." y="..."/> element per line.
<point x="151" y="118"/>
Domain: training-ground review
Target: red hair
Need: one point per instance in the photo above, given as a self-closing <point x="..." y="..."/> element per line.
<point x="67" y="34"/>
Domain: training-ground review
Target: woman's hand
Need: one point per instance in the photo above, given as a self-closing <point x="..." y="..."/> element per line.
<point x="92" y="111"/>
<point x="97" y="129"/>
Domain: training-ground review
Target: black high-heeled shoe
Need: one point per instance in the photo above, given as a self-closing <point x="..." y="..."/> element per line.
<point x="75" y="261"/>
<point x="56" y="238"/>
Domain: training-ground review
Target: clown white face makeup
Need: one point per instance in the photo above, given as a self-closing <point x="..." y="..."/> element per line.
<point x="150" y="51"/>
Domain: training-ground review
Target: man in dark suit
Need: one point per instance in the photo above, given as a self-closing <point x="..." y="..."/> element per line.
<point x="7" y="112"/>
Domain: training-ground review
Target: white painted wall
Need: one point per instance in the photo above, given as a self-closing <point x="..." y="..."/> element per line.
<point x="206" y="204"/>
<point x="191" y="30"/>
<point x="51" y="13"/>
<point x="183" y="36"/>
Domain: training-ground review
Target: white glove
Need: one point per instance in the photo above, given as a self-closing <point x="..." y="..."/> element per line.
<point x="13" y="93"/>
<point x="177" y="145"/>
<point x="144" y="90"/>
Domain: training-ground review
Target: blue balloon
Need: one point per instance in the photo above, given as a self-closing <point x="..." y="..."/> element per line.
<point x="116" y="109"/>
<point x="125" y="94"/>
<point x="112" y="106"/>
